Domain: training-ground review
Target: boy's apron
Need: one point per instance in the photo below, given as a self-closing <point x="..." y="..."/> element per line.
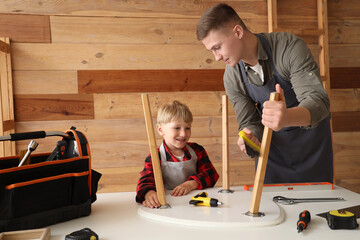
<point x="176" y="173"/>
<point x="296" y="154"/>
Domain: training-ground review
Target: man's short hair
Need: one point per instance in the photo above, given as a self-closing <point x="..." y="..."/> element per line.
<point x="173" y="111"/>
<point x="217" y="17"/>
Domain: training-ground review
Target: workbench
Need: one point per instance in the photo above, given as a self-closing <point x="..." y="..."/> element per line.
<point x="115" y="216"/>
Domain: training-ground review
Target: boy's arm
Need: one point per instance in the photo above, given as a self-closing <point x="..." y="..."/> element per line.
<point x="206" y="175"/>
<point x="146" y="181"/>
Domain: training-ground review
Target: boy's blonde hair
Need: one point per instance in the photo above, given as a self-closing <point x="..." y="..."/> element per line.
<point x="174" y="110"/>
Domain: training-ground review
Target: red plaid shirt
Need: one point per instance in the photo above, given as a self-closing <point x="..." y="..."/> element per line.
<point x="206" y="173"/>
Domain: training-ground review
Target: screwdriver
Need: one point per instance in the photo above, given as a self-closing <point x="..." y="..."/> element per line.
<point x="202" y="199"/>
<point x="304" y="219"/>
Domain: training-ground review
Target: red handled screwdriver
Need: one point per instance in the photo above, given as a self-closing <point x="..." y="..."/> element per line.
<point x="304" y="219"/>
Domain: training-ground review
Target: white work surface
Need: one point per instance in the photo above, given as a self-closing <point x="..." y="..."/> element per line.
<point x="115" y="216"/>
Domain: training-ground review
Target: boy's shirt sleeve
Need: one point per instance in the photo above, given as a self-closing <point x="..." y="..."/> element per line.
<point x="207" y="175"/>
<point x="146" y="181"/>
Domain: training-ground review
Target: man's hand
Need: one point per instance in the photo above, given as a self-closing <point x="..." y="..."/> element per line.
<point x="151" y="200"/>
<point x="274" y="113"/>
<point x="241" y="143"/>
<point x="184" y="188"/>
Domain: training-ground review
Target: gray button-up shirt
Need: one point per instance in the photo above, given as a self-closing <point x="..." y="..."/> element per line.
<point x="295" y="63"/>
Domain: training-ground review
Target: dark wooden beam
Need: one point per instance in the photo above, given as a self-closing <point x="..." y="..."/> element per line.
<point x="126" y="81"/>
<point x="345" y="77"/>
<point x="346" y="121"/>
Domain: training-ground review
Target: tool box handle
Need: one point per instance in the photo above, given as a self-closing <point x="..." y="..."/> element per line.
<point x="32" y="135"/>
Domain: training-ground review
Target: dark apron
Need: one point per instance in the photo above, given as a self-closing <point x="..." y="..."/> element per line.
<point x="296" y="154"/>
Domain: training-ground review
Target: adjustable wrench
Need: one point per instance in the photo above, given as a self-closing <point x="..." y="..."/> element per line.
<point x="289" y="201"/>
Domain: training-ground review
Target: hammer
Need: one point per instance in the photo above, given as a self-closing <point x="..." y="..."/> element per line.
<point x="32" y="146"/>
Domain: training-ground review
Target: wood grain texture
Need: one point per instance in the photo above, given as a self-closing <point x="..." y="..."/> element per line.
<point x="346" y="121"/>
<point x="111" y="57"/>
<point x="150" y="8"/>
<point x="344" y="100"/>
<point x="343" y="9"/>
<point x="25" y="28"/>
<point x="48" y="57"/>
<point x="344" y="31"/>
<point x="131" y="30"/>
<point x="45" y="82"/>
<point x="125" y="81"/>
<point x="345" y="77"/>
<point x="128" y="105"/>
<point x="53" y="107"/>
<point x="346" y="144"/>
<point x="344" y="55"/>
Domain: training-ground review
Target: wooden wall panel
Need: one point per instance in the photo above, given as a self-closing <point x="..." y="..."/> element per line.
<point x="119" y="57"/>
<point x="129" y="105"/>
<point x="345" y="77"/>
<point x="131" y="30"/>
<point x="346" y="144"/>
<point x="344" y="100"/>
<point x="45" y="82"/>
<point x="346" y="121"/>
<point x="103" y="81"/>
<point x="25" y="28"/>
<point x="53" y="107"/>
<point x="344" y="55"/>
<point x="344" y="31"/>
<point x="343" y="9"/>
<point x="111" y="57"/>
<point x="130" y="8"/>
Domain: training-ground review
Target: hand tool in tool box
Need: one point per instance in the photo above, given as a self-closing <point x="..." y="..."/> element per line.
<point x="289" y="201"/>
<point x="32" y="146"/>
<point x="252" y="150"/>
<point x="202" y="199"/>
<point x="304" y="219"/>
<point x="44" y="192"/>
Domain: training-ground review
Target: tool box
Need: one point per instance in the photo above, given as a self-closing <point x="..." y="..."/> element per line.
<point x="51" y="188"/>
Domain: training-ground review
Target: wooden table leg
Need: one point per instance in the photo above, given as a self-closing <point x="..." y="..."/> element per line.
<point x="159" y="183"/>
<point x="261" y="167"/>
<point x="225" y="147"/>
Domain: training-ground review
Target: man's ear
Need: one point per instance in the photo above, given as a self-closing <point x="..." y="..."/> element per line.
<point x="159" y="129"/>
<point x="239" y="31"/>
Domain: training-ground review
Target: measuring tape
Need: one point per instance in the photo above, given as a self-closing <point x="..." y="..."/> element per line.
<point x="341" y="219"/>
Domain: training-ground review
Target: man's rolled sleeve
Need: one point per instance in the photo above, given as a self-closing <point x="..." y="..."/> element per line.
<point x="306" y="81"/>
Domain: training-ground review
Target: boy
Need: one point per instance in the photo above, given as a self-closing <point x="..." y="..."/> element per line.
<point x="185" y="166"/>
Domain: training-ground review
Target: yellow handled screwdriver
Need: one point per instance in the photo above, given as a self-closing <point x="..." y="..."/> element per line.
<point x="202" y="199"/>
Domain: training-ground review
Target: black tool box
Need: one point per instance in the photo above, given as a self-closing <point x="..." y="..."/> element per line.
<point x="51" y="188"/>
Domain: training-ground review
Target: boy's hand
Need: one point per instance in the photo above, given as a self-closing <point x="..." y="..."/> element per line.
<point x="184" y="188"/>
<point x="241" y="142"/>
<point x="151" y="200"/>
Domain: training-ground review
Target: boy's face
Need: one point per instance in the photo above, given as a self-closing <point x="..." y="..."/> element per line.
<point x="175" y="133"/>
<point x="225" y="44"/>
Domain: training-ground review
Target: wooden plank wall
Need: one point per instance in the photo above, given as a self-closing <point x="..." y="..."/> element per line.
<point x="85" y="64"/>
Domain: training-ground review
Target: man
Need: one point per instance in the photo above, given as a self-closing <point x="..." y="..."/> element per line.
<point x="258" y="64"/>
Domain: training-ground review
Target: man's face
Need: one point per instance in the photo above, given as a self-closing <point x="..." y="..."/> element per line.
<point x="225" y="44"/>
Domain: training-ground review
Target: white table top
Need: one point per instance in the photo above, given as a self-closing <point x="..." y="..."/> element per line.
<point x="115" y="216"/>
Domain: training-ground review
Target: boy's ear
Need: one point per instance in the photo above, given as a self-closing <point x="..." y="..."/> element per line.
<point x="159" y="129"/>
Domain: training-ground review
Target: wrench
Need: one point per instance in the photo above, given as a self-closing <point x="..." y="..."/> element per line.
<point x="32" y="146"/>
<point x="289" y="201"/>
